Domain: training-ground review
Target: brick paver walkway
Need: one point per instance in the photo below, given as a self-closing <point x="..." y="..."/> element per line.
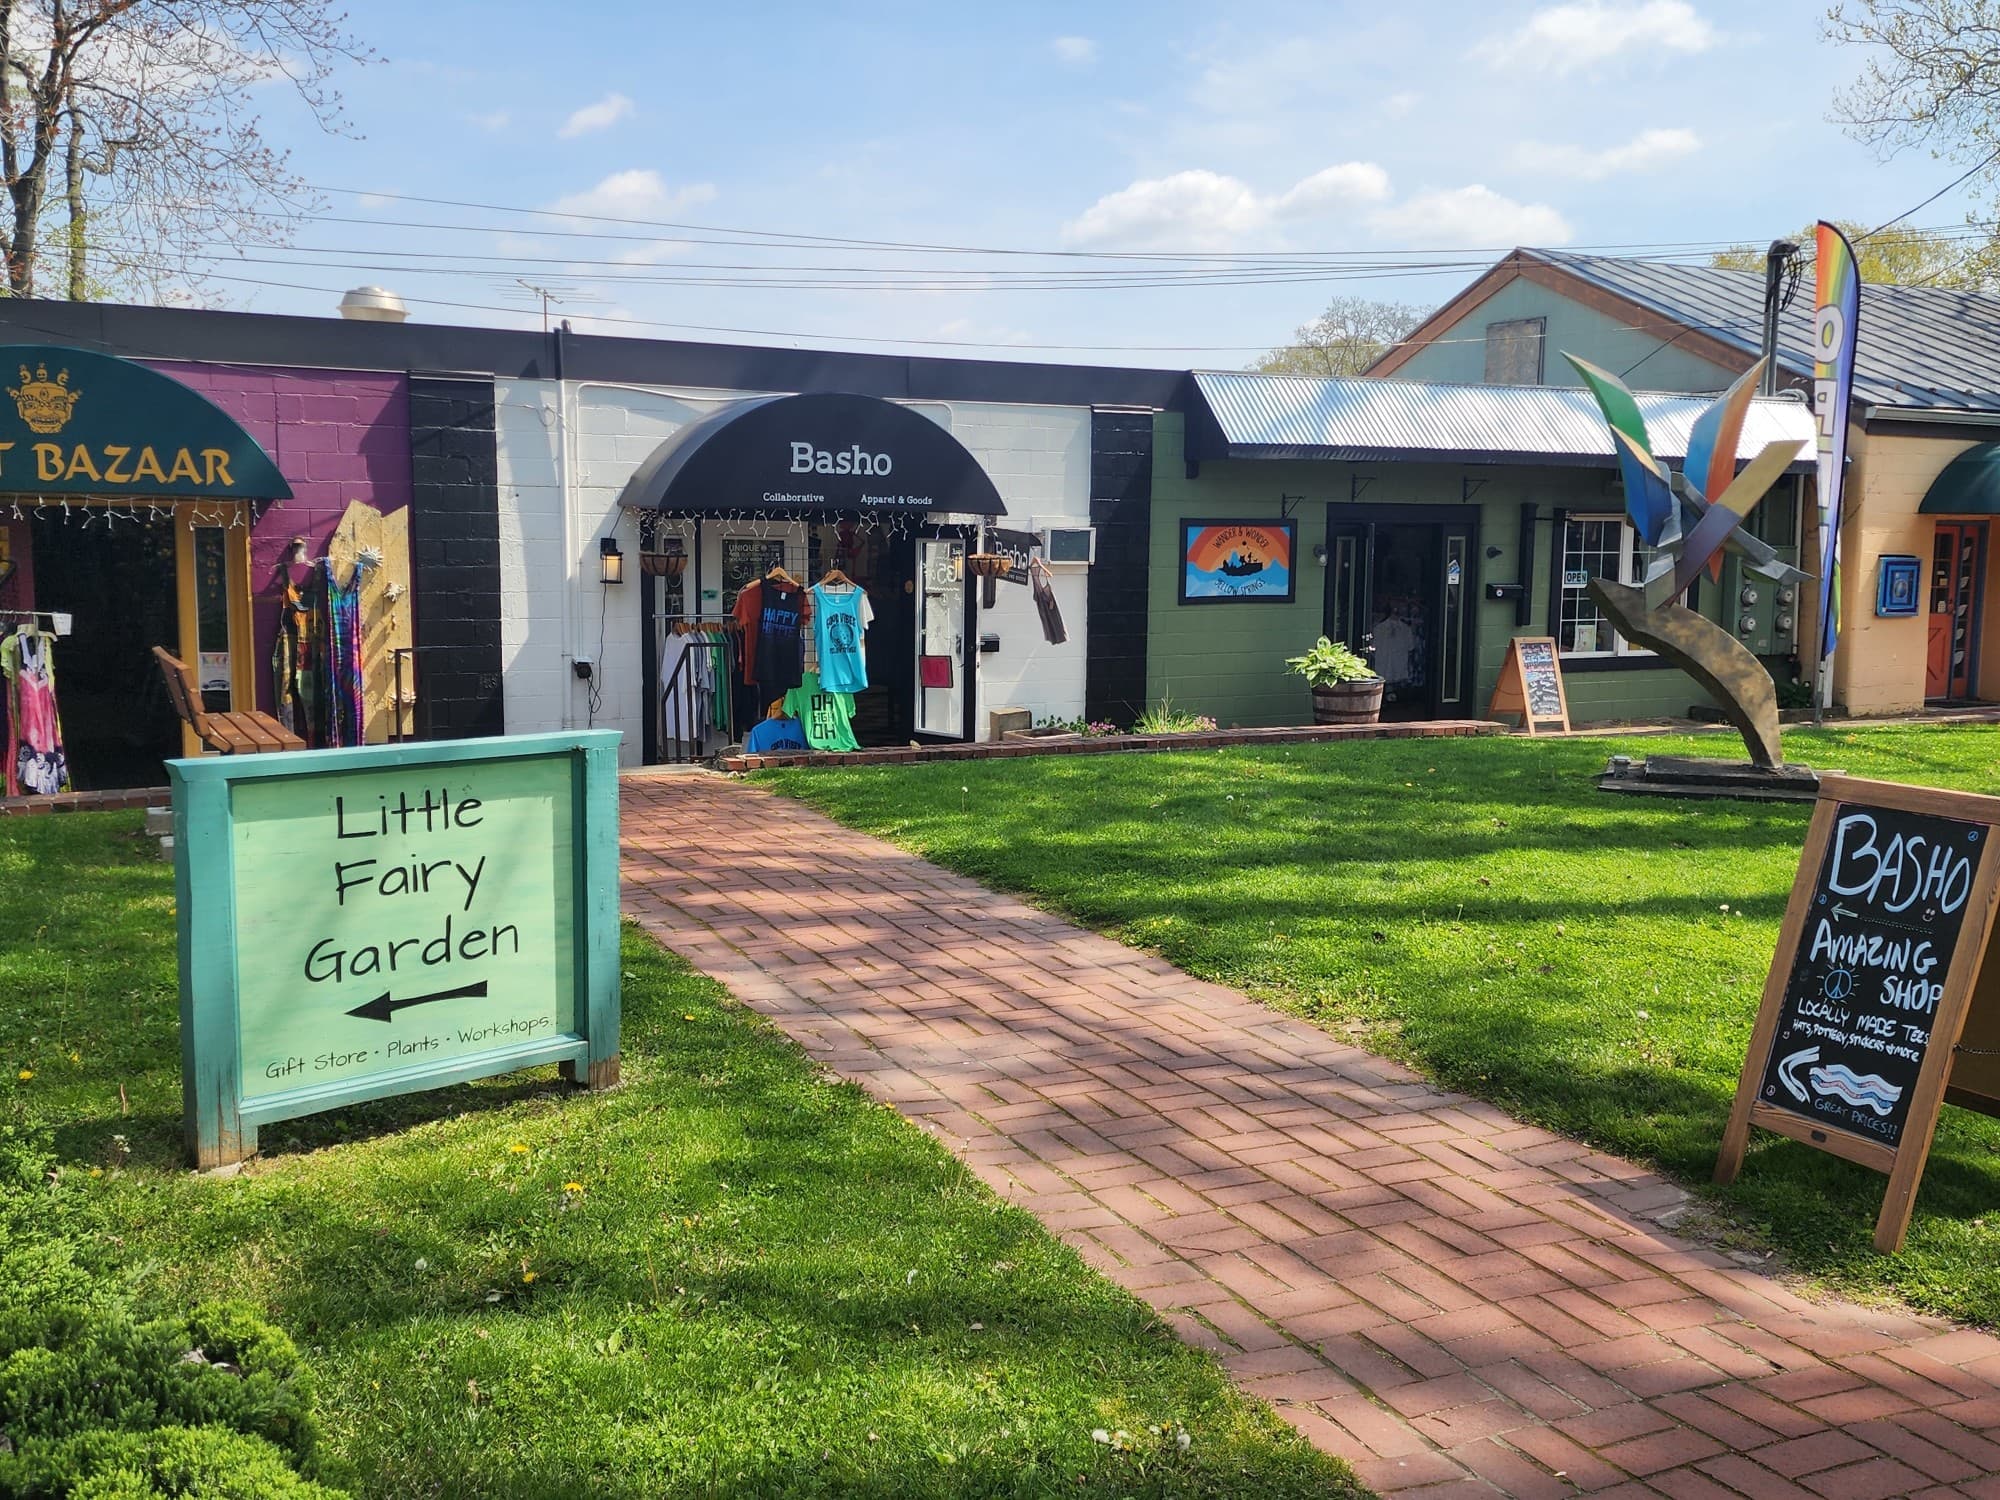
<point x="1456" y="1303"/>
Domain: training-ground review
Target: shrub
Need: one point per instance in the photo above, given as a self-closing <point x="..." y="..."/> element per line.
<point x="211" y="1462"/>
<point x="66" y="1370"/>
<point x="1330" y="663"/>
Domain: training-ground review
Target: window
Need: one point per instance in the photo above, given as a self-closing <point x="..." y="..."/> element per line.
<point x="1514" y="351"/>
<point x="1596" y="547"/>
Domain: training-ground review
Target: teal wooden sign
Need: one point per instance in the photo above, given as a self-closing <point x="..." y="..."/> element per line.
<point x="367" y="922"/>
<point x="78" y="423"/>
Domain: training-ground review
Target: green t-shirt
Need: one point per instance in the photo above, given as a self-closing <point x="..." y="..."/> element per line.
<point x="825" y="716"/>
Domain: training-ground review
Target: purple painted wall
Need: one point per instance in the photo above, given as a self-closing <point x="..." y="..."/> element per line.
<point x="336" y="435"/>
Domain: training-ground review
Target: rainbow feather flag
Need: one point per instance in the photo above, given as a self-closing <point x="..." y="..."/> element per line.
<point x="1836" y="322"/>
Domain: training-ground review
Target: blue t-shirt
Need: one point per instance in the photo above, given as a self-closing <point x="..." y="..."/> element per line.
<point x="774" y="735"/>
<point x="841" y="615"/>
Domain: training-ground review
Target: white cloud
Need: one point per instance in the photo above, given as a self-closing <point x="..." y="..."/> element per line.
<point x="1645" y="151"/>
<point x="1203" y="210"/>
<point x="602" y="115"/>
<point x="495" y="120"/>
<point x="1076" y="51"/>
<point x="640" y="193"/>
<point x="1468" y="217"/>
<point x="1581" y="33"/>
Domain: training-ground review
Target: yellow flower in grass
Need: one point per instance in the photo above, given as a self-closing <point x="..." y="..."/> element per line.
<point x="572" y="1187"/>
<point x="517" y="1148"/>
<point x="25" y="1074"/>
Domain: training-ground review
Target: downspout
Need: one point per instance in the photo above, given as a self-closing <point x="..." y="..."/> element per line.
<point x="564" y="423"/>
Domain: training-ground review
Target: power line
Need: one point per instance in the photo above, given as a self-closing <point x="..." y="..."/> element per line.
<point x="1979" y="166"/>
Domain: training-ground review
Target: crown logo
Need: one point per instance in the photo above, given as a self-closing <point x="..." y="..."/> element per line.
<point x="44" y="404"/>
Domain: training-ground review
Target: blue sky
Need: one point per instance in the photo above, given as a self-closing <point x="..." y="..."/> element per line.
<point x="1274" y="129"/>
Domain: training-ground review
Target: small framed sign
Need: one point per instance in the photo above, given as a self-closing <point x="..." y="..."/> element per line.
<point x="366" y="922"/>
<point x="1897" y="579"/>
<point x="1239" y="562"/>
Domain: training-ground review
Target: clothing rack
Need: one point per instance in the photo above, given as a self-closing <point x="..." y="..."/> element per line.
<point x="37" y="617"/>
<point x="681" y="736"/>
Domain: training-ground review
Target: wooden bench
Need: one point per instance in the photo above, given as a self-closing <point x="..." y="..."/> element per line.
<point x="227" y="734"/>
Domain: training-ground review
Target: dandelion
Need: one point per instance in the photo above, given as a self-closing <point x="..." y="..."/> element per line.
<point x="97" y="1171"/>
<point x="517" y="1148"/>
<point x="25" y="1074"/>
<point x="422" y="1264"/>
<point x="685" y="1017"/>
<point x="572" y="1187"/>
<point x="527" y="1278"/>
<point x="1099" y="1435"/>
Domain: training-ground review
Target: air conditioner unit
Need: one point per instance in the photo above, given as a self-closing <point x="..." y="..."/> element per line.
<point x="1069" y="544"/>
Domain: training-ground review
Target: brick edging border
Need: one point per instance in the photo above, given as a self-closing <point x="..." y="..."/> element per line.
<point x="1431" y="729"/>
<point x="63" y="802"/>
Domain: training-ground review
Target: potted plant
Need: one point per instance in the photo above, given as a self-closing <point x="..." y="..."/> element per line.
<point x="1345" y="688"/>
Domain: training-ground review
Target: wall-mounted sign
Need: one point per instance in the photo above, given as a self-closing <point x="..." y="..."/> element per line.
<point x="1898" y="581"/>
<point x="1018" y="547"/>
<point x="1238" y="562"/>
<point x="367" y="922"/>
<point x="77" y="423"/>
<point x="1531" y="685"/>
<point x="1879" y="1005"/>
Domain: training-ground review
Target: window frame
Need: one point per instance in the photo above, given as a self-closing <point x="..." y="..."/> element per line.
<point x="1630" y="549"/>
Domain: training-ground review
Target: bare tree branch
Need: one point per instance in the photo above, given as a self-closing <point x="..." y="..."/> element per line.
<point x="1344" y="340"/>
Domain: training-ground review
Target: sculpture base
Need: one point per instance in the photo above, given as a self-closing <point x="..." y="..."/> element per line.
<point x="1685" y="776"/>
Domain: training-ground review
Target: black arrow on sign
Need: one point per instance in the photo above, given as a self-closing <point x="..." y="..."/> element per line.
<point x="382" y="1007"/>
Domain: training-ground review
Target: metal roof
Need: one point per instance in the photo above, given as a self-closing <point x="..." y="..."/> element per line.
<point x="1919" y="346"/>
<point x="1319" y="417"/>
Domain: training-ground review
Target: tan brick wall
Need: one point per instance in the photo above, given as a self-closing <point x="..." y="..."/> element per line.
<point x="1879" y="665"/>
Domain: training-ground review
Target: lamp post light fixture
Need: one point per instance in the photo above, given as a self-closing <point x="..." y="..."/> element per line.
<point x="610" y="561"/>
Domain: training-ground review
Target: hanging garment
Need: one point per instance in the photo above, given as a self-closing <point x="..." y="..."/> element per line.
<point x="841" y="617"/>
<point x="780" y="657"/>
<point x="293" y="684"/>
<point x="346" y="703"/>
<point x="825" y="716"/>
<point x="1044" y="583"/>
<point x="748" y="609"/>
<point x="36" y="764"/>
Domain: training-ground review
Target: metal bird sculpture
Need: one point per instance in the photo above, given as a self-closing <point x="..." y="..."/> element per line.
<point x="1688" y="531"/>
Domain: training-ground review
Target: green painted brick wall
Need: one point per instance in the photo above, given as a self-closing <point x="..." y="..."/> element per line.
<point x="1227" y="659"/>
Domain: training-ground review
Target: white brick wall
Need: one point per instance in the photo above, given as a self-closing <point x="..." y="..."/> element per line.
<point x="556" y="610"/>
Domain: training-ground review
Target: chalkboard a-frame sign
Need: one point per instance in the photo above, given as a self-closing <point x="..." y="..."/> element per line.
<point x="1531" y="684"/>
<point x="1881" y="1005"/>
<point x="375" y="921"/>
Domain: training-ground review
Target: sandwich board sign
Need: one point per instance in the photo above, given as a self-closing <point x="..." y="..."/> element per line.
<point x="1880" y="1005"/>
<point x="1531" y="684"/>
<point x="367" y="922"/>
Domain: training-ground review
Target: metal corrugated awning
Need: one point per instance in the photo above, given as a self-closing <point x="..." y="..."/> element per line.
<point x="1968" y="486"/>
<point x="1361" y="420"/>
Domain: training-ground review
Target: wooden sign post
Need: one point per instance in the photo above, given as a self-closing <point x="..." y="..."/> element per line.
<point x="1531" y="684"/>
<point x="1880" y="1005"/>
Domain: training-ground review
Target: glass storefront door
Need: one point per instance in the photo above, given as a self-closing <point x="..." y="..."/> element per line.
<point x="1398" y="590"/>
<point x="940" y="664"/>
<point x="1958" y="558"/>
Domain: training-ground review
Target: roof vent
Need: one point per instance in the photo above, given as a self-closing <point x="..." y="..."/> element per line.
<point x="373" y="304"/>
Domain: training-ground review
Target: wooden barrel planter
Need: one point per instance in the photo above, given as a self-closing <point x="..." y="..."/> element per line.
<point x="1349" y="702"/>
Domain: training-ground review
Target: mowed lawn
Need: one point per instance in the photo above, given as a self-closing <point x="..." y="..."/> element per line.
<point x="730" y="1277"/>
<point x="1592" y="963"/>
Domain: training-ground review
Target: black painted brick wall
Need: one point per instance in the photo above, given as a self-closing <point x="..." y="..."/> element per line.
<point x="455" y="557"/>
<point x="1121" y="507"/>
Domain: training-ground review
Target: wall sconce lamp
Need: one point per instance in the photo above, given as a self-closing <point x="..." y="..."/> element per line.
<point x="610" y="561"/>
<point x="1319" y="553"/>
<point x="295" y="555"/>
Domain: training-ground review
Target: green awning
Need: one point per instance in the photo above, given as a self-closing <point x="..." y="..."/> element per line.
<point x="1969" y="485"/>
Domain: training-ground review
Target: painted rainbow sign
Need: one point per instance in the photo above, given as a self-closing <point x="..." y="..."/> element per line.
<point x="1238" y="560"/>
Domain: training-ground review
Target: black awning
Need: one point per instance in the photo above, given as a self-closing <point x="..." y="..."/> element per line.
<point x="800" y="455"/>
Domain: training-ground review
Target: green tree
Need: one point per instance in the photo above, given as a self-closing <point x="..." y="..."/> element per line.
<point x="1931" y="79"/>
<point x="1346" y="339"/>
<point x="1896" y="255"/>
<point x="130" y="147"/>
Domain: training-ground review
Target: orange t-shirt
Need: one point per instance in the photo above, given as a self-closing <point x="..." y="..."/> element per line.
<point x="749" y="611"/>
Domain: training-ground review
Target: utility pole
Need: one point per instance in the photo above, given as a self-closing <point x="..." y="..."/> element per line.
<point x="1775" y="260"/>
